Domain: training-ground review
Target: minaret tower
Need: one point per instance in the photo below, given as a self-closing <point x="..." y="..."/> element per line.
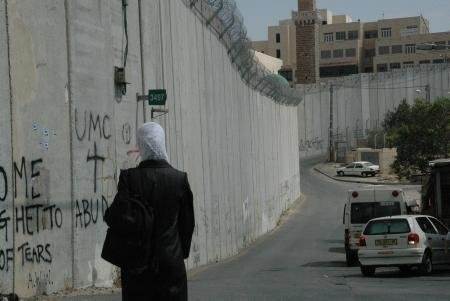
<point x="307" y="25"/>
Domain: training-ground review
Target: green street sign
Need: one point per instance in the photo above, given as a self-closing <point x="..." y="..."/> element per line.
<point x="157" y="97"/>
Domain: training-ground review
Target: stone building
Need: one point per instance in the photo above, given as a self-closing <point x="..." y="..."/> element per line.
<point x="339" y="46"/>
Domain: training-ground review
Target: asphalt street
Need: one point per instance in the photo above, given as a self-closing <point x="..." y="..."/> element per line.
<point x="304" y="260"/>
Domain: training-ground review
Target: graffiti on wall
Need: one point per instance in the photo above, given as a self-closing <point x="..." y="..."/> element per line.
<point x="31" y="218"/>
<point x="311" y="144"/>
<point x="94" y="128"/>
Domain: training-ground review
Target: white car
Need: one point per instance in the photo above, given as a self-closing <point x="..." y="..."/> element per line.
<point x="360" y="168"/>
<point x="403" y="241"/>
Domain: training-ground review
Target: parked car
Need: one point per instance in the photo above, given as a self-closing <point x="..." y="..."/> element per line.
<point x="365" y="204"/>
<point x="403" y="241"/>
<point x="360" y="168"/>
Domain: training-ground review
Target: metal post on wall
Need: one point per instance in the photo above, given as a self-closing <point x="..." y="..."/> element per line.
<point x="331" y="124"/>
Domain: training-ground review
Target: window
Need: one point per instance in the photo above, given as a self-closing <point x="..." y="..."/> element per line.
<point x="397" y="49"/>
<point x="351" y="52"/>
<point x="324" y="22"/>
<point x="424" y="62"/>
<point x="408" y="65"/>
<point x="438" y="61"/>
<point x="340" y="35"/>
<point x="369" y="53"/>
<point x="389" y="226"/>
<point x="338" y="53"/>
<point x="278" y="38"/>
<point x="350" y="166"/>
<point x="325" y="54"/>
<point x="358" y="165"/>
<point x="382" y="67"/>
<point x="353" y="35"/>
<point x="439" y="226"/>
<point x="395" y="66"/>
<point x="335" y="71"/>
<point x="361" y="213"/>
<point x="371" y="34"/>
<point x="386" y="32"/>
<point x="382" y="50"/>
<point x="278" y="53"/>
<point x="425" y="225"/>
<point x="328" y="37"/>
<point x="410" y="48"/>
<point x="368" y="70"/>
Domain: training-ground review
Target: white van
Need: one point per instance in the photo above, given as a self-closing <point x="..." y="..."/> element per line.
<point x="363" y="205"/>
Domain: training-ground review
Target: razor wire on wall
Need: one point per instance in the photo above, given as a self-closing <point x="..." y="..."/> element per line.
<point x="223" y="17"/>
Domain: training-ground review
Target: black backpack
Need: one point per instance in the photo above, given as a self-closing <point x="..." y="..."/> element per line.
<point x="130" y="218"/>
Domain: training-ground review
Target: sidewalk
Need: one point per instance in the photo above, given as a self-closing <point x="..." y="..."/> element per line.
<point x="329" y="170"/>
<point x="88" y="294"/>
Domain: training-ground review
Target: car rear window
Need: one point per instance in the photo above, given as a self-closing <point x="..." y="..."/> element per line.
<point x="361" y="213"/>
<point x="387" y="226"/>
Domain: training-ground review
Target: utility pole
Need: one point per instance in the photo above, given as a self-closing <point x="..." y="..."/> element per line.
<point x="331" y="148"/>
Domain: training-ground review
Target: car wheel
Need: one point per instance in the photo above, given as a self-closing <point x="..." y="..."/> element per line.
<point x="406" y="269"/>
<point x="340" y="173"/>
<point x="364" y="174"/>
<point x="426" y="268"/>
<point x="367" y="271"/>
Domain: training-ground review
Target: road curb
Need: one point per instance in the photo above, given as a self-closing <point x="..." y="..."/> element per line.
<point x="356" y="181"/>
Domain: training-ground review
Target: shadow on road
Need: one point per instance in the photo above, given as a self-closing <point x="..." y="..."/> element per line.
<point x="340" y="250"/>
<point x="391" y="273"/>
<point x="334" y="241"/>
<point x="326" y="264"/>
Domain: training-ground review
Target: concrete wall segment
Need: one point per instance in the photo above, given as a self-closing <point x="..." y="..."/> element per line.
<point x="237" y="146"/>
<point x="7" y="248"/>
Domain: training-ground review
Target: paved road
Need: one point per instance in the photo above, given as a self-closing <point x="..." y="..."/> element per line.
<point x="304" y="260"/>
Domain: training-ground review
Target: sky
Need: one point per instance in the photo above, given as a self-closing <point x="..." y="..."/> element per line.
<point x="259" y="14"/>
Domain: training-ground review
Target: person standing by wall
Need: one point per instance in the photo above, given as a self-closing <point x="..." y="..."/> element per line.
<point x="168" y="192"/>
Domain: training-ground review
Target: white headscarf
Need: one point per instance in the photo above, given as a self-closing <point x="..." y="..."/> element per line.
<point x="151" y="141"/>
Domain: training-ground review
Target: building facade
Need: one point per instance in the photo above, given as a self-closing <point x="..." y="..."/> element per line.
<point x="346" y="47"/>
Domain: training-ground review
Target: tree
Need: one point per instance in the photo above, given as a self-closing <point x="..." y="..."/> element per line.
<point x="420" y="132"/>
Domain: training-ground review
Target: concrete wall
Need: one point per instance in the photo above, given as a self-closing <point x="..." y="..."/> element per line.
<point x="360" y="103"/>
<point x="65" y="133"/>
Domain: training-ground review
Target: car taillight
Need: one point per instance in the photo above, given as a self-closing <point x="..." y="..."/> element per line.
<point x="355" y="194"/>
<point x="362" y="241"/>
<point x="395" y="193"/>
<point x="413" y="239"/>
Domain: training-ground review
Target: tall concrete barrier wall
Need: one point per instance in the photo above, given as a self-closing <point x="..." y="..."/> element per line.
<point x="66" y="132"/>
<point x="360" y="103"/>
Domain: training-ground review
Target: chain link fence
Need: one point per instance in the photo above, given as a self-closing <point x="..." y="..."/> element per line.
<point x="224" y="18"/>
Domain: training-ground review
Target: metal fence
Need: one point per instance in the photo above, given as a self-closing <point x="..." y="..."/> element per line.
<point x="224" y="18"/>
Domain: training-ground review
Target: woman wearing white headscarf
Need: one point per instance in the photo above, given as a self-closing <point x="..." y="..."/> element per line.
<point x="168" y="192"/>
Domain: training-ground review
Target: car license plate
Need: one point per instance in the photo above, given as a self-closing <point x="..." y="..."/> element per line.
<point x="385" y="242"/>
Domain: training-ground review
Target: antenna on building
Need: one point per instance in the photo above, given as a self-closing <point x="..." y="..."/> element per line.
<point x="382" y="14"/>
<point x="425" y="21"/>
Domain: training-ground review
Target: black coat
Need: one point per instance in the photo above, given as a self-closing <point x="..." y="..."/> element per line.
<point x="174" y="224"/>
